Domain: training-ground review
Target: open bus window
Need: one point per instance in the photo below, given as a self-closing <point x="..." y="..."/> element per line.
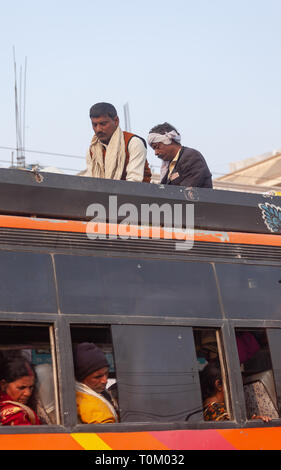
<point x="27" y="374"/>
<point x="157" y="373"/>
<point x="96" y="389"/>
<point x="153" y="373"/>
<point x="257" y="373"/>
<point x="213" y="377"/>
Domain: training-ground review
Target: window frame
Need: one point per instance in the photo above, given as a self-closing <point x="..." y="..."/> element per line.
<point x="65" y="372"/>
<point x="42" y="323"/>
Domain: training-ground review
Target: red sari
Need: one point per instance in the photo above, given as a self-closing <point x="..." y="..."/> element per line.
<point x="13" y="413"/>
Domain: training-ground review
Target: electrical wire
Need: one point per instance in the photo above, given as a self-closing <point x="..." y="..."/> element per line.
<point x="79" y="157"/>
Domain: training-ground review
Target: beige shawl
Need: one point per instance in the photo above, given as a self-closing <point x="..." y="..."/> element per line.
<point x="110" y="167"/>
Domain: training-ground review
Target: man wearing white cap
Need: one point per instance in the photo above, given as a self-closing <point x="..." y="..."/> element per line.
<point x="186" y="166"/>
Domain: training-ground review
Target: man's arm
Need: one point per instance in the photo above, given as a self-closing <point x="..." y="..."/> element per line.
<point x="135" y="167"/>
<point x="194" y="170"/>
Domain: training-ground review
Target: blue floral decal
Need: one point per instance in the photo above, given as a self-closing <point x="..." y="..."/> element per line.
<point x="271" y="215"/>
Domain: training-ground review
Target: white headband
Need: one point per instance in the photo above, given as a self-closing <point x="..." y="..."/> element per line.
<point x="164" y="138"/>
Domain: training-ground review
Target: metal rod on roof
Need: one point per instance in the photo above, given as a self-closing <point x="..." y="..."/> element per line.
<point x="127" y="117"/>
<point x="16" y="104"/>
<point x="20" y="96"/>
<point x="24" y="108"/>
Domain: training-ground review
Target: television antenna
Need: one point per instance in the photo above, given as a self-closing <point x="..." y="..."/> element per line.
<point x="20" y="111"/>
<point x="127" y="117"/>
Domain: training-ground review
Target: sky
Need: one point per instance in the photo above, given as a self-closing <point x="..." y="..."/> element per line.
<point x="211" y="68"/>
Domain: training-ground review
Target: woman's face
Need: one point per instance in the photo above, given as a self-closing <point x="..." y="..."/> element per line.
<point x="21" y="389"/>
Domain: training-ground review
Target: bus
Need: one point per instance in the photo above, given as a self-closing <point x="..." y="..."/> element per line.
<point x="161" y="301"/>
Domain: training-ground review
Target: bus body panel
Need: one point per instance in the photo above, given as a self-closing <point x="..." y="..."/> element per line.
<point x="211" y="439"/>
<point x="62" y="274"/>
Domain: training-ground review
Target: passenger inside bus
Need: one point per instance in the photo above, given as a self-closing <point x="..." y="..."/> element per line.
<point x="253" y="353"/>
<point x="214" y="408"/>
<point x="17" y="396"/>
<point x="257" y="374"/>
<point x="94" y="404"/>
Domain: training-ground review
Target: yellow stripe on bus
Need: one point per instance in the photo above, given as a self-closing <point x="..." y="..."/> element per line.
<point x="90" y="441"/>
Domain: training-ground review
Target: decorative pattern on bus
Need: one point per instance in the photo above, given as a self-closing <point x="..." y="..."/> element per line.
<point x="271" y="215"/>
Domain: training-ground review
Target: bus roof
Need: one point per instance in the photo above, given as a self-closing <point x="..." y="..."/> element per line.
<point x="30" y="193"/>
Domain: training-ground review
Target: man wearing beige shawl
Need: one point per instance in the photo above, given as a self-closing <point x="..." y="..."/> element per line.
<point x="114" y="154"/>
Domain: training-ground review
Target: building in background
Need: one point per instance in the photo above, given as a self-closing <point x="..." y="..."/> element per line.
<point x="255" y="175"/>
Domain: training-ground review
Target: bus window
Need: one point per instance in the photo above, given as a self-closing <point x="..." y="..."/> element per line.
<point x="274" y="341"/>
<point x="33" y="277"/>
<point x="96" y="389"/>
<point x="213" y="377"/>
<point x="153" y="372"/>
<point x="28" y="351"/>
<point x="157" y="373"/>
<point x="257" y="373"/>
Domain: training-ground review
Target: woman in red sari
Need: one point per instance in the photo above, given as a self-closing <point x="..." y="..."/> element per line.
<point x="17" y="380"/>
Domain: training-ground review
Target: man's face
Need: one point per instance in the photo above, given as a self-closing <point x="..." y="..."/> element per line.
<point x="97" y="380"/>
<point x="104" y="127"/>
<point x="164" y="151"/>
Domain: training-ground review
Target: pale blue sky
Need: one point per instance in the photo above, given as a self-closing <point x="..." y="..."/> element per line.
<point x="209" y="67"/>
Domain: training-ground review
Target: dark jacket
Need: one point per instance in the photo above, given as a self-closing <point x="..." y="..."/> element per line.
<point x="191" y="170"/>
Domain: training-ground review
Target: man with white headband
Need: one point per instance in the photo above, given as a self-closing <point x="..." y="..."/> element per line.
<point x="185" y="166"/>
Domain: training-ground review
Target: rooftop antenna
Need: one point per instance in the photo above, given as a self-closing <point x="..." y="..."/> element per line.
<point x="127" y="117"/>
<point x="24" y="107"/>
<point x="20" y="113"/>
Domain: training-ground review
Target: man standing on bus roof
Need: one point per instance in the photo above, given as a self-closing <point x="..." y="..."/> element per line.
<point x="186" y="166"/>
<point x="113" y="153"/>
<point x="91" y="371"/>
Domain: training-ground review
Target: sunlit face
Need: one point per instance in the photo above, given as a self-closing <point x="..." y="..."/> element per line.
<point x="97" y="380"/>
<point x="21" y="389"/>
<point x="104" y="127"/>
<point x="219" y="390"/>
<point x="164" y="151"/>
